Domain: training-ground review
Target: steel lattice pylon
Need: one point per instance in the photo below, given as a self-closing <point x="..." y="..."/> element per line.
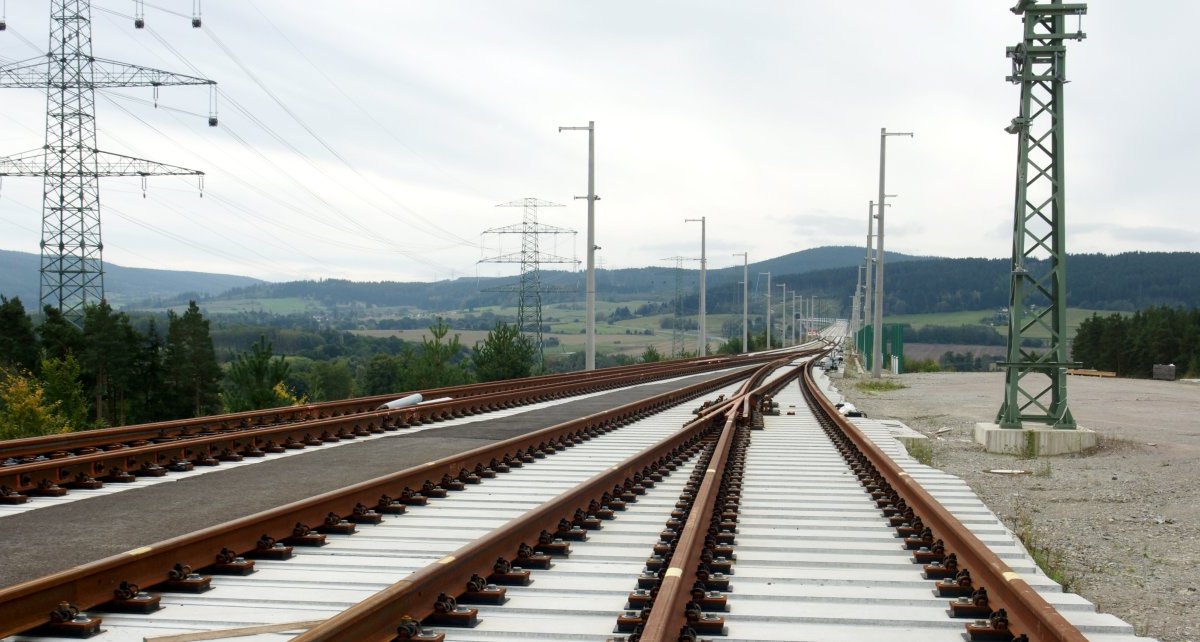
<point x="1035" y="387"/>
<point x="529" y="287"/>
<point x="72" y="269"/>
<point x="677" y="334"/>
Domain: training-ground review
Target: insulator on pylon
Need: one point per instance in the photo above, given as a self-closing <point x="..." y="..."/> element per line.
<point x="139" y="14"/>
<point x="212" y="121"/>
<point x="196" y="14"/>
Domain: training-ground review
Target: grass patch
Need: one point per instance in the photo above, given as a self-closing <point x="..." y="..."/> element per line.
<point x="1075" y="316"/>
<point x="1048" y="558"/>
<point x="920" y="450"/>
<point x="879" y="385"/>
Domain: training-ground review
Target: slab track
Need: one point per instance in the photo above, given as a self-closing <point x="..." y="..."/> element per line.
<point x="766" y="516"/>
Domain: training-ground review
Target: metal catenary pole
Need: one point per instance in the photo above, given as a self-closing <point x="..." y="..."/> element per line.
<point x="702" y="347"/>
<point x="782" y="313"/>
<point x="877" y="335"/>
<point x="768" y="324"/>
<point x="1035" y="383"/>
<point x="590" y="306"/>
<point x="745" y="299"/>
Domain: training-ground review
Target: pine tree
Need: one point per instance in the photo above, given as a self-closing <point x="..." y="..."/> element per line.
<point x="436" y="365"/>
<point x="64" y="392"/>
<point x="190" y="366"/>
<point x="256" y="379"/>
<point x="59" y="336"/>
<point x="504" y="354"/>
<point x="18" y="343"/>
<point x="386" y="374"/>
<point x="109" y="347"/>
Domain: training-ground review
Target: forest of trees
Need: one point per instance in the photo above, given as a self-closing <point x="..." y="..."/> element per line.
<point x="1131" y="345"/>
<point x="55" y="377"/>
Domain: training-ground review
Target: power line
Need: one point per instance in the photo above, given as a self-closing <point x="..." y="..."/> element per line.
<point x="434" y="229"/>
<point x="70" y="164"/>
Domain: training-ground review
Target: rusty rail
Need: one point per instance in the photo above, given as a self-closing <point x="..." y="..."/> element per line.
<point x="47" y="444"/>
<point x="1027" y="612"/>
<point x="28" y="605"/>
<point x="377" y="618"/>
<point x="668" y="617"/>
<point x="51" y="476"/>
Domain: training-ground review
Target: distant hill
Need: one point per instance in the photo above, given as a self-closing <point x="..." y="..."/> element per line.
<point x="1118" y="282"/>
<point x="19" y="278"/>
<point x="915" y="285"/>
<point x="626" y="284"/>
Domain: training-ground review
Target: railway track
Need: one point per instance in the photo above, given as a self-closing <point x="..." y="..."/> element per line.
<point x="742" y="524"/>
<point x="54" y="465"/>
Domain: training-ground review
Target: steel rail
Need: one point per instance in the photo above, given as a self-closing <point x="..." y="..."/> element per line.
<point x="47" y="444"/>
<point x="121" y="462"/>
<point x="29" y="604"/>
<point x="667" y="619"/>
<point x="377" y="617"/>
<point x="1028" y="612"/>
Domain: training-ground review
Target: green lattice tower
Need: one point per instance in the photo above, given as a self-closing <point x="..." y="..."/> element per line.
<point x="1035" y="386"/>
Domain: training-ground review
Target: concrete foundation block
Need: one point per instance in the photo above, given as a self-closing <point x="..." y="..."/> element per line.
<point x="1034" y="441"/>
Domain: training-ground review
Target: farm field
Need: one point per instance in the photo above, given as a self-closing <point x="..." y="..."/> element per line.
<point x="1075" y="316"/>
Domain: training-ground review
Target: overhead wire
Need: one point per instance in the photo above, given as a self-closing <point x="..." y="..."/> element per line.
<point x="360" y="230"/>
<point x="350" y="98"/>
<point x="385" y="247"/>
<point x="263" y="193"/>
<point x="433" y="228"/>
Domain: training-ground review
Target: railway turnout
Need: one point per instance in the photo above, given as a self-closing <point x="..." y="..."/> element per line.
<point x="734" y="503"/>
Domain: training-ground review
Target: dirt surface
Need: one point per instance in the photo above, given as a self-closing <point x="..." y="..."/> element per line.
<point x="1119" y="525"/>
<point x="55" y="538"/>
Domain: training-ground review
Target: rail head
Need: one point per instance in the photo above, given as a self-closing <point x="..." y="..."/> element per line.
<point x="376" y="618"/>
<point x="1028" y="612"/>
<point x="92" y="584"/>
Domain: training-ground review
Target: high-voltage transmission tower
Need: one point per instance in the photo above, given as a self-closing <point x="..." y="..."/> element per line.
<point x="677" y="334"/>
<point x="72" y="268"/>
<point x="529" y="287"/>
<point x="1035" y="385"/>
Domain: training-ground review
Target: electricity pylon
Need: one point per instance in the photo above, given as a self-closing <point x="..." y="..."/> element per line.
<point x="72" y="267"/>
<point x="1035" y="384"/>
<point x="529" y="288"/>
<point x="677" y="336"/>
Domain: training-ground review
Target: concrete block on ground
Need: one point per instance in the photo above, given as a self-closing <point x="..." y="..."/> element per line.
<point x="1034" y="441"/>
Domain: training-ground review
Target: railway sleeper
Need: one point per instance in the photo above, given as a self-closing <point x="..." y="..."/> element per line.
<point x="181" y="577"/>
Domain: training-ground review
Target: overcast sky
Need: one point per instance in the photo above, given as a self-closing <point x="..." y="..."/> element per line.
<point x="372" y="140"/>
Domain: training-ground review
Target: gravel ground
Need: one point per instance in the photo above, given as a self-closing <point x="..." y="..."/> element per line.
<point x="1119" y="524"/>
